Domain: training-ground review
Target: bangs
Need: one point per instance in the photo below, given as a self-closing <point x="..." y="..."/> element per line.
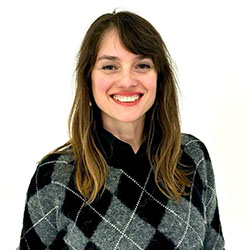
<point x="136" y="34"/>
<point x="139" y="37"/>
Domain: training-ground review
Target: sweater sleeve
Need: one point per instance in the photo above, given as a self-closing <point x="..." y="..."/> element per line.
<point x="213" y="237"/>
<point x="195" y="154"/>
<point x="40" y="215"/>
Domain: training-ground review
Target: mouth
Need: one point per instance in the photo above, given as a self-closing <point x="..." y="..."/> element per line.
<point x="126" y="99"/>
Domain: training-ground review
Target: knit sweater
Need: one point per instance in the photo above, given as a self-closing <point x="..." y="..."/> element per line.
<point x="132" y="213"/>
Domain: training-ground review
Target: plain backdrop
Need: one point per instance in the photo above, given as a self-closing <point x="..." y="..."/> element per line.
<point x="210" y="43"/>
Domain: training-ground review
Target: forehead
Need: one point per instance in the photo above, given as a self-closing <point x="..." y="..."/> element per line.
<point x="110" y="41"/>
<point x="111" y="47"/>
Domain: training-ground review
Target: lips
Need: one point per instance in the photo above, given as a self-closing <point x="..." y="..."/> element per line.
<point x="121" y="98"/>
<point x="126" y="98"/>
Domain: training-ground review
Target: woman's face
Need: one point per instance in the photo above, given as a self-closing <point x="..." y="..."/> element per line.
<point x="123" y="83"/>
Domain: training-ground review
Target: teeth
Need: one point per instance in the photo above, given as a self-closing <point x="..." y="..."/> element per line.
<point x="126" y="98"/>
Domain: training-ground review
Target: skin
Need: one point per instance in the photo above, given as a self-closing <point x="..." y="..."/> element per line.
<point x="122" y="75"/>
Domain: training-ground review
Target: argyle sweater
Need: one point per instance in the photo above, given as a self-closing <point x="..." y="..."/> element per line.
<point x="131" y="213"/>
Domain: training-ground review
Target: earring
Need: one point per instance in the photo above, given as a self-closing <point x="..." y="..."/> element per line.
<point x="91" y="113"/>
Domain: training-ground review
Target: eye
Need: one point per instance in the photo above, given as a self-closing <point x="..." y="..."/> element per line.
<point x="143" y="66"/>
<point x="109" y="67"/>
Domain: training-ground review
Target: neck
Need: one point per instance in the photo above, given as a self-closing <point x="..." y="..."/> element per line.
<point x="131" y="132"/>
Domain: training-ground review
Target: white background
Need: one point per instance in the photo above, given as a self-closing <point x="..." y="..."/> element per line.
<point x="209" y="41"/>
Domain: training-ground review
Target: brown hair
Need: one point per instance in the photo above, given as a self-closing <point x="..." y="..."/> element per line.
<point x="139" y="37"/>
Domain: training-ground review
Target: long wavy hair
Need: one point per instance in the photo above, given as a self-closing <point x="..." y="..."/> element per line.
<point x="139" y="37"/>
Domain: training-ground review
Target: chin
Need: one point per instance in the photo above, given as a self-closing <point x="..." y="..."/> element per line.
<point x="129" y="119"/>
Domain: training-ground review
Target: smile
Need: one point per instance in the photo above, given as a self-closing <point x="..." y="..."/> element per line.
<point x="126" y="99"/>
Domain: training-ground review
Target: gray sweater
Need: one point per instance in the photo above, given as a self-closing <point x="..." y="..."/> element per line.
<point x="131" y="214"/>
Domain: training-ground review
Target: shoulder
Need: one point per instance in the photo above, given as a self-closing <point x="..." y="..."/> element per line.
<point x="54" y="168"/>
<point x="194" y="153"/>
<point x="194" y="147"/>
<point x="57" y="166"/>
<point x="45" y="198"/>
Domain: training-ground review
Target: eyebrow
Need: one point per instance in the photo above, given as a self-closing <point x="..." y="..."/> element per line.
<point x="115" y="58"/>
<point x="106" y="57"/>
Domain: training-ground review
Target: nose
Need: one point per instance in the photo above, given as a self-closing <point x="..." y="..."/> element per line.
<point x="127" y="79"/>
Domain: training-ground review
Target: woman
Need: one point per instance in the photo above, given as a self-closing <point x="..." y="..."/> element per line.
<point x="127" y="178"/>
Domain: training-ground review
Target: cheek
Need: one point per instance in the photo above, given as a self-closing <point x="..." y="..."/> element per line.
<point x="151" y="84"/>
<point x="100" y="85"/>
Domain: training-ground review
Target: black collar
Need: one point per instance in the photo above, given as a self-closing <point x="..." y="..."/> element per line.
<point x="116" y="151"/>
